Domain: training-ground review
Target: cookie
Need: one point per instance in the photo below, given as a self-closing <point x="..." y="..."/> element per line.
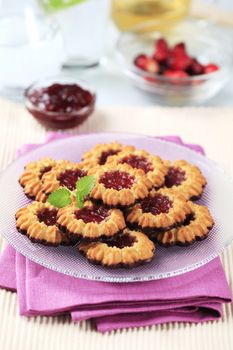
<point x="196" y="228"/>
<point x="99" y="154"/>
<point x="185" y="178"/>
<point x="128" y="249"/>
<point x="92" y="222"/>
<point x="159" y="211"/>
<point x="119" y="185"/>
<point x="39" y="222"/>
<point x="152" y="166"/>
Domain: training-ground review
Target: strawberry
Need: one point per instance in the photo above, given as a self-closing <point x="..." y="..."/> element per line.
<point x="152" y="66"/>
<point x="195" y="68"/>
<point x="211" y="67"/>
<point x="179" y="48"/>
<point x="179" y="61"/>
<point x="140" y="61"/>
<point x="161" y="50"/>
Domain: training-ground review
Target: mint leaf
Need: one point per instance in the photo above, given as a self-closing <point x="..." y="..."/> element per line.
<point x="85" y="185"/>
<point x="79" y="201"/>
<point x="60" y="198"/>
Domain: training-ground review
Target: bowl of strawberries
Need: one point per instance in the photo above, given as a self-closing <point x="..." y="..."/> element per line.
<point x="184" y="64"/>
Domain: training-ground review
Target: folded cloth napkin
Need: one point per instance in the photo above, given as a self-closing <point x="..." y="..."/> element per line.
<point x="195" y="296"/>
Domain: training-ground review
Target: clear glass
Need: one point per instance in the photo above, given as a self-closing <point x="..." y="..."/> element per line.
<point x="204" y="40"/>
<point x="57" y="120"/>
<point x="129" y="13"/>
<point x="30" y="47"/>
<point x="218" y="196"/>
<point x="83" y="28"/>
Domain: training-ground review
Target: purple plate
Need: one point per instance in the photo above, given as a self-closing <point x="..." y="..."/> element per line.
<point x="218" y="196"/>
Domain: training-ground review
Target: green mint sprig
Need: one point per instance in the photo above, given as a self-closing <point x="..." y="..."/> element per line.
<point x="63" y="196"/>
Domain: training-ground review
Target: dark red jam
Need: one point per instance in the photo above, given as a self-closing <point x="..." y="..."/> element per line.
<point x="70" y="176"/>
<point x="60" y="106"/>
<point x="121" y="241"/>
<point x="92" y="214"/>
<point x="104" y="156"/>
<point x="174" y="177"/>
<point x="48" y="216"/>
<point x="44" y="170"/>
<point x="117" y="180"/>
<point x="138" y="162"/>
<point x="156" y="204"/>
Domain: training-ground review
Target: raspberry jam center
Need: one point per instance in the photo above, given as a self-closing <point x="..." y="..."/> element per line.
<point x="117" y="180"/>
<point x="122" y="241"/>
<point x="48" y="216"/>
<point x="156" y="204"/>
<point x="138" y="162"/>
<point x="95" y="214"/>
<point x="174" y="177"/>
<point x="104" y="156"/>
<point x="45" y="170"/>
<point x="69" y="178"/>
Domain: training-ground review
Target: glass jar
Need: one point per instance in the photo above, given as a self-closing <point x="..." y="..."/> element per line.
<point x="130" y="13"/>
<point x="31" y="46"/>
<point x="83" y="25"/>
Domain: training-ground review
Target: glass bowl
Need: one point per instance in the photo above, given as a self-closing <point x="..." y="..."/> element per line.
<point x="60" y="119"/>
<point x="204" y="40"/>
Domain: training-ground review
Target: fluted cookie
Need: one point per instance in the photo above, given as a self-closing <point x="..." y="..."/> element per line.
<point x="31" y="179"/>
<point x="39" y="222"/>
<point x="159" y="211"/>
<point x="99" y="154"/>
<point x="195" y="228"/>
<point x="91" y="222"/>
<point x="65" y="175"/>
<point x="128" y="249"/>
<point x="152" y="166"/>
<point x="185" y="178"/>
<point x="119" y="185"/>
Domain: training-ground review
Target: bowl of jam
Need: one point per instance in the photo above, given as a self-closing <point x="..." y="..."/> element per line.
<point x="60" y="103"/>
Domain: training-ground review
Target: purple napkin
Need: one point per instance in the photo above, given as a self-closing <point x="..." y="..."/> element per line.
<point x="195" y="296"/>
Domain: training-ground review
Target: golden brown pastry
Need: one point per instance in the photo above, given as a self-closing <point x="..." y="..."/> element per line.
<point x="91" y="222"/>
<point x="185" y="178"/>
<point x="159" y="211"/>
<point x="151" y="165"/>
<point x="31" y="179"/>
<point x="99" y="154"/>
<point x="196" y="227"/>
<point x="38" y="221"/>
<point x="128" y="249"/>
<point x="65" y="175"/>
<point x="119" y="185"/>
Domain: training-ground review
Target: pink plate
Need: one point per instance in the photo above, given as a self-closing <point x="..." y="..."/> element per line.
<point x="218" y="196"/>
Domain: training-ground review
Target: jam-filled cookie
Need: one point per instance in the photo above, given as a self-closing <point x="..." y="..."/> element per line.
<point x="159" y="211"/>
<point x="151" y="165"/>
<point x="65" y="175"/>
<point x="91" y="222"/>
<point x="100" y="153"/>
<point x="31" y="179"/>
<point x="196" y="227"/>
<point x="119" y="185"/>
<point x="185" y="178"/>
<point x="128" y="249"/>
<point x="38" y="221"/>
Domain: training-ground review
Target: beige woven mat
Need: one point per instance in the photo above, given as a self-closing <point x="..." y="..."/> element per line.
<point x="212" y="128"/>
